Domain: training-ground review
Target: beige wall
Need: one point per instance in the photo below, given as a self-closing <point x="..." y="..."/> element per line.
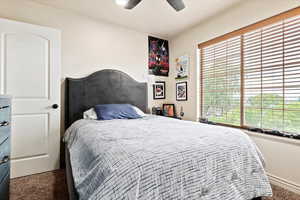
<point x="87" y="45"/>
<point x="241" y="15"/>
<point x="282" y="157"/>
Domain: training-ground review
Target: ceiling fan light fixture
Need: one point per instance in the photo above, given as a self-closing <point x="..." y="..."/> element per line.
<point x="122" y="3"/>
<point x="178" y="5"/>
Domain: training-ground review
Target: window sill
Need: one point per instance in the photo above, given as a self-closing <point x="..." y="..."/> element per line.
<point x="273" y="137"/>
<point x="264" y="135"/>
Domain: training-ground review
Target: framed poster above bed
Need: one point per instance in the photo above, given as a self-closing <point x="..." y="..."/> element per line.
<point x="158" y="56"/>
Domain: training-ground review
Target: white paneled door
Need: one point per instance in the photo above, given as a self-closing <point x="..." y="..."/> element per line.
<point x="30" y="72"/>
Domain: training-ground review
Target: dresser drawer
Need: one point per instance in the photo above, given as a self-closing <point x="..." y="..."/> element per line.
<point x="4" y="115"/>
<point x="4" y="109"/>
<point x="4" y="102"/>
<point x="4" y="188"/>
<point x="4" y="133"/>
<point x="4" y="119"/>
<point x="4" y="158"/>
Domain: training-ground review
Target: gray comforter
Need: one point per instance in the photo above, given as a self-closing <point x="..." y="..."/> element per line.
<point x="159" y="158"/>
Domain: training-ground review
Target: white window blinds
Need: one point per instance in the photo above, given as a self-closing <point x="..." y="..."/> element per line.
<point x="251" y="78"/>
<point x="221" y="68"/>
<point x="272" y="76"/>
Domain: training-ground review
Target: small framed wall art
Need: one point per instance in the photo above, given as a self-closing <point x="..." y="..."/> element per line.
<point x="159" y="90"/>
<point x="182" y="67"/>
<point x="181" y="91"/>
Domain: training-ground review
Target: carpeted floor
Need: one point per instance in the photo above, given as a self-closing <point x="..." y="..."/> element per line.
<point x="52" y="186"/>
<point x="45" y="186"/>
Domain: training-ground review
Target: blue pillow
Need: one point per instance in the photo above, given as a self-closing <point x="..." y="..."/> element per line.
<point x="115" y="111"/>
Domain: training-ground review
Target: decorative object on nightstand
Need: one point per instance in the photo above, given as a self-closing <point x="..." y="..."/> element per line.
<point x="159" y="90"/>
<point x="181" y="91"/>
<point x="157" y="111"/>
<point x="5" y="120"/>
<point x="181" y="112"/>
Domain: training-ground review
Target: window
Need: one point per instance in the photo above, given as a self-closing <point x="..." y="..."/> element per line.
<point x="251" y="77"/>
<point x="221" y="79"/>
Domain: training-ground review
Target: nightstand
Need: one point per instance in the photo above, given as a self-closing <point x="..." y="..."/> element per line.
<point x="175" y="117"/>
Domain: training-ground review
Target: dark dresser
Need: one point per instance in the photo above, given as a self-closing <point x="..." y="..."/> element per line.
<point x="5" y="119"/>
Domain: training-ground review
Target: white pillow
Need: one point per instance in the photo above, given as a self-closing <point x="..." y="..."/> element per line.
<point x="139" y="112"/>
<point x="91" y="114"/>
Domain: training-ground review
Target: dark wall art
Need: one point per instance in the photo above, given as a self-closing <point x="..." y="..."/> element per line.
<point x="158" y="56"/>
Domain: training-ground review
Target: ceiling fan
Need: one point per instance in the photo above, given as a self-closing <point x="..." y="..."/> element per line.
<point x="178" y="5"/>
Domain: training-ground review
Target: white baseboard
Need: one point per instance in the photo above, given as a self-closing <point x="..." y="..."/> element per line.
<point x="293" y="187"/>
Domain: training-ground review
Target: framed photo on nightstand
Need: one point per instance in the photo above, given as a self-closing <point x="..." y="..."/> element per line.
<point x="169" y="110"/>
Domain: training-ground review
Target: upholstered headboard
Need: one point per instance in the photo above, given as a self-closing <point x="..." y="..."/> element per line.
<point x="102" y="87"/>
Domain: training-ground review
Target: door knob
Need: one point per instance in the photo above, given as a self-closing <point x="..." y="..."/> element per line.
<point x="54" y="106"/>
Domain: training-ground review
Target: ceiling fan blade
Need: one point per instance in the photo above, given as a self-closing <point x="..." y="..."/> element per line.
<point x="132" y="3"/>
<point x="178" y="5"/>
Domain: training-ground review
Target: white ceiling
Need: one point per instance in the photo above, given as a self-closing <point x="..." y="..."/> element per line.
<point x="150" y="16"/>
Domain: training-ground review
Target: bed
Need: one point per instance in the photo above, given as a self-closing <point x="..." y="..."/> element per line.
<point x="152" y="157"/>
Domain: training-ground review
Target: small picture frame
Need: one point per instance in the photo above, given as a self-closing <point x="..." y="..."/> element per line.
<point x="169" y="110"/>
<point x="181" y="91"/>
<point x="159" y="90"/>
